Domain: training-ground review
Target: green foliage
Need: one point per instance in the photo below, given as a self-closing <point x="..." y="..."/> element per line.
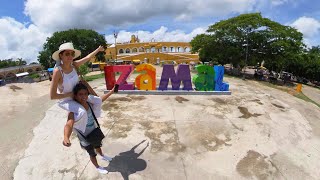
<point x="249" y="38"/>
<point x="84" y="69"/>
<point x="227" y="41"/>
<point x="10" y="62"/>
<point x="35" y="75"/>
<point x="311" y="65"/>
<point x="84" y="40"/>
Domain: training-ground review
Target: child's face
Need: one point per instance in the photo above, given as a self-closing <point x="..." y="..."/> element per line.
<point x="81" y="96"/>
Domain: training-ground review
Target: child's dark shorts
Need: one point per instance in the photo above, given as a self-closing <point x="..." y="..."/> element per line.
<point x="90" y="149"/>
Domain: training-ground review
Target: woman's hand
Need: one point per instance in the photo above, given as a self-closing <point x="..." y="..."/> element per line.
<point x="79" y="62"/>
<point x="100" y="48"/>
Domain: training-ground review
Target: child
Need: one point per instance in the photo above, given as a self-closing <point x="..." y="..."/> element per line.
<point x="83" y="129"/>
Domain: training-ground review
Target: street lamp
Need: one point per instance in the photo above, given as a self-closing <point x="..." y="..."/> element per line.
<point x="248" y="30"/>
<point x="246" y="59"/>
<point x="115" y="35"/>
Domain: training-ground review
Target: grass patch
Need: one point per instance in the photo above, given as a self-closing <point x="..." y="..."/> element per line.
<point x="305" y="98"/>
<point x="35" y="75"/>
<point x="140" y="72"/>
<point x="290" y="90"/>
<point x="282" y="88"/>
<point x="93" y="77"/>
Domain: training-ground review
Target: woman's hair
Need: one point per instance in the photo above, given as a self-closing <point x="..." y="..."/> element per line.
<point x="79" y="86"/>
<point x="61" y="52"/>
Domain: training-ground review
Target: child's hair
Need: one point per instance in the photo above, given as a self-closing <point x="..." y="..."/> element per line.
<point x="79" y="86"/>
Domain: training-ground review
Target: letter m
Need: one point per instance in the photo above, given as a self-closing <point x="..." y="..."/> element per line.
<point x="182" y="75"/>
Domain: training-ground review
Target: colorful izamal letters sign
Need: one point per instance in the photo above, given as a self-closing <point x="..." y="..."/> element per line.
<point x="208" y="78"/>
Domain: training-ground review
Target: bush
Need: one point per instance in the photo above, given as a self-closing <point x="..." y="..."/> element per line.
<point x="84" y="69"/>
<point x="35" y="75"/>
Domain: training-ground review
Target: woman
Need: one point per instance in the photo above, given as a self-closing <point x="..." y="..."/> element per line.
<point x="65" y="77"/>
<point x="81" y="95"/>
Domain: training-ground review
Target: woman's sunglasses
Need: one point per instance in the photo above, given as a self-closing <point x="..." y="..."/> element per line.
<point x="69" y="54"/>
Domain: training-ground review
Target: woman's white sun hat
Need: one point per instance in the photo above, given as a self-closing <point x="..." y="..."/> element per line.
<point x="66" y="46"/>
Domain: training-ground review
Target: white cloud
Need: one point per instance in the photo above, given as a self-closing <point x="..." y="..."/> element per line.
<point x="278" y="2"/>
<point x="98" y="15"/>
<point x="309" y="27"/>
<point x="19" y="41"/>
<point x="162" y="34"/>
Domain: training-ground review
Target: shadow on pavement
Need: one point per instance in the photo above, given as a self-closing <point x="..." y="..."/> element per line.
<point x="128" y="162"/>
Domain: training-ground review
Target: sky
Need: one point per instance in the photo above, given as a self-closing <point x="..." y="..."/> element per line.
<point x="26" y="24"/>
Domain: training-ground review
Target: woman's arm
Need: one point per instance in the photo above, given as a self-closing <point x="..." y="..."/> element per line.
<point x="88" y="57"/>
<point x="54" y="86"/>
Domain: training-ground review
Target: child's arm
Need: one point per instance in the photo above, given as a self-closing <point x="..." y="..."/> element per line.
<point x="105" y="96"/>
<point x="68" y="130"/>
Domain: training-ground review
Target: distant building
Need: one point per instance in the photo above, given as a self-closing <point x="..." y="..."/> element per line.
<point x="10" y="72"/>
<point x="151" y="52"/>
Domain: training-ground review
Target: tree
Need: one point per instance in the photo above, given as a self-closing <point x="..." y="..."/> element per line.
<point x="10" y="62"/>
<point x="312" y="66"/>
<point x="84" y="40"/>
<point x="21" y="62"/>
<point x="248" y="39"/>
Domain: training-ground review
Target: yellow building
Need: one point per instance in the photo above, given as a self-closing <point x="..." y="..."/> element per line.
<point x="151" y="52"/>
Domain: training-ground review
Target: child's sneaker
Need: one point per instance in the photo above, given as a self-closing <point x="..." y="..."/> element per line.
<point x="106" y="158"/>
<point x="102" y="170"/>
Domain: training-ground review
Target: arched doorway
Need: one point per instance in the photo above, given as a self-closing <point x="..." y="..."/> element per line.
<point x="153" y="49"/>
<point x="10" y="76"/>
<point x="134" y="50"/>
<point x="141" y="49"/>
<point x="164" y="49"/>
<point x="30" y="71"/>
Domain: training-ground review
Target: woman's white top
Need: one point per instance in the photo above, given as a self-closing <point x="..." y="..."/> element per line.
<point x="69" y="81"/>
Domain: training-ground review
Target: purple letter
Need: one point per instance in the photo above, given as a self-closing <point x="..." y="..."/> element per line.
<point x="183" y="74"/>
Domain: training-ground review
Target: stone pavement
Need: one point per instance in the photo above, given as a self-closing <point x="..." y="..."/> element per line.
<point x="256" y="133"/>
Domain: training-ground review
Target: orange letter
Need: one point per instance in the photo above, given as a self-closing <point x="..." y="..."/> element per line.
<point x="146" y="81"/>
